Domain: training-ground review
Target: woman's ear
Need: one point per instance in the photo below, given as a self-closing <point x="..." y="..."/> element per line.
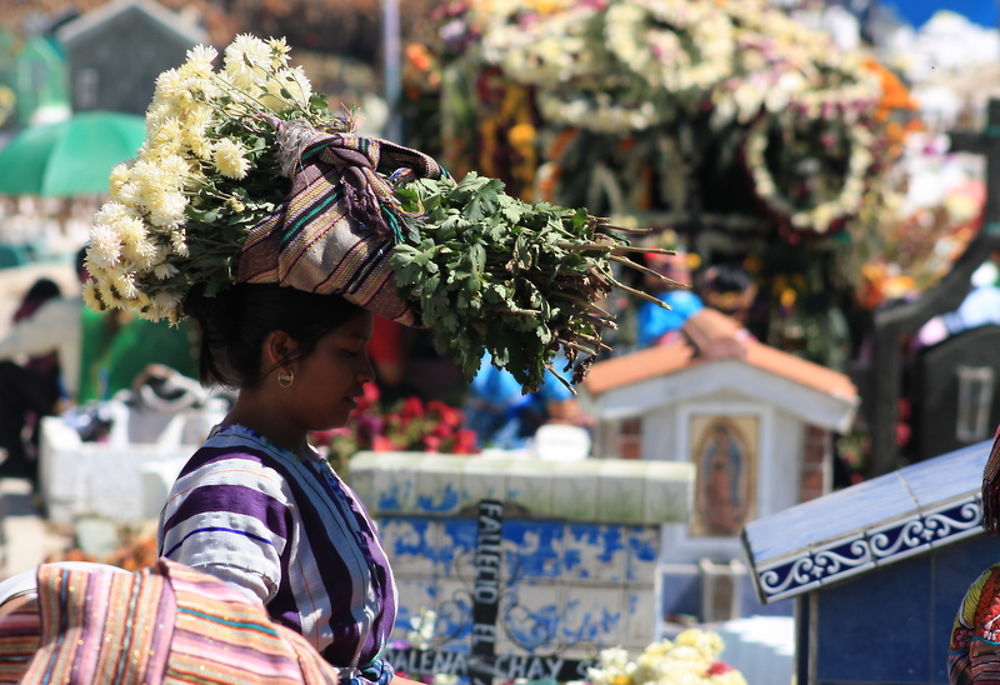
<point x="279" y="349"/>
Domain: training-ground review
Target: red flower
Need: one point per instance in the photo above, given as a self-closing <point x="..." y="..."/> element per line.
<point x="324" y="437"/>
<point x="412" y="408"/>
<point x="369" y="397"/>
<point x="432" y="443"/>
<point x="449" y="415"/>
<point x="465" y="443"/>
<point x="720" y="667"/>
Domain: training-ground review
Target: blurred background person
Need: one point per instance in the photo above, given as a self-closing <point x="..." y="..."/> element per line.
<point x="654" y="324"/>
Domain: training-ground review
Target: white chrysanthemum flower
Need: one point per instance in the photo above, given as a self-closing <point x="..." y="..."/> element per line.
<point x="136" y="246"/>
<point x="127" y="195"/>
<point x="195" y="121"/>
<point x="279" y="52"/>
<point x="229" y="158"/>
<point x="171" y="88"/>
<point x="178" y="242"/>
<point x="118" y="176"/>
<point x="105" y="247"/>
<point x="174" y="168"/>
<point x="166" y="209"/>
<point x="108" y="293"/>
<point x="289" y="88"/>
<point x="92" y="297"/>
<point x="124" y="283"/>
<point x="164" y="136"/>
<point x="167" y="301"/>
<point x="110" y="212"/>
<point x="201" y="57"/>
<point x="246" y="60"/>
<point x="707" y="642"/>
<point x="165" y="270"/>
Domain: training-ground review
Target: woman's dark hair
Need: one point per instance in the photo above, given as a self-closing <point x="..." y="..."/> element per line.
<point x="726" y="278"/>
<point x="234" y="323"/>
<point x="43" y="289"/>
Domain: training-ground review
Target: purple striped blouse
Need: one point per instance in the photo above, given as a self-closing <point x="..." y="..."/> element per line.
<point x="288" y="531"/>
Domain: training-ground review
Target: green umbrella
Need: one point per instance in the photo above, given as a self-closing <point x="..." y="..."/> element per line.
<point x="72" y="157"/>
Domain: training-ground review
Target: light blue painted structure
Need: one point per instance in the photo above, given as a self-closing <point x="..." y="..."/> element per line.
<point x="576" y="578"/>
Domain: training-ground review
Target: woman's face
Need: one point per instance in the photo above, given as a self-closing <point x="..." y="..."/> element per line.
<point x="328" y="381"/>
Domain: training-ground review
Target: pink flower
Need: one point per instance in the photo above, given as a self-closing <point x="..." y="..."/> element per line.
<point x="380" y="443"/>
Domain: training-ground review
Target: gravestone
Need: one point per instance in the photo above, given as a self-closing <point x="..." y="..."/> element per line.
<point x="956" y="392"/>
<point x="578" y="554"/>
<point x="117" y="50"/>
<point x="881" y="381"/>
<point x="877" y="570"/>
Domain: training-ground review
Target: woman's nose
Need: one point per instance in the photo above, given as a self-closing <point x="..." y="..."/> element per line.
<point x="366" y="372"/>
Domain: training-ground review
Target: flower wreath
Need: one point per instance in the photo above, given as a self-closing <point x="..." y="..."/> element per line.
<point x="647" y="36"/>
<point x="822" y="216"/>
<point x="549" y="51"/>
<point x="600" y="110"/>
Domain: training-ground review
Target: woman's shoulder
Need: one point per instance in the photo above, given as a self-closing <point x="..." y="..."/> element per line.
<point x="233" y="454"/>
<point x="982" y="596"/>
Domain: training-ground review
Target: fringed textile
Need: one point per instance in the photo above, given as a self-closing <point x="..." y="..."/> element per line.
<point x="336" y="230"/>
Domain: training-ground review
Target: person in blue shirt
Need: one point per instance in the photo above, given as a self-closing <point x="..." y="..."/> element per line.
<point x="506" y="418"/>
<point x="653" y="323"/>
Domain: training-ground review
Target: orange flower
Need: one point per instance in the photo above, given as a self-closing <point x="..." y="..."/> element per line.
<point x="419" y="56"/>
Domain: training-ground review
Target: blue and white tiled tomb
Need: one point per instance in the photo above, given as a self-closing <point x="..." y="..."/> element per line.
<point x="580" y="545"/>
<point x="877" y="570"/>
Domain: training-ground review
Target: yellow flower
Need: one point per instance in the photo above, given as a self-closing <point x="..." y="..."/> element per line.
<point x="229" y="159"/>
<point x="521" y="135"/>
<point x="707" y="642"/>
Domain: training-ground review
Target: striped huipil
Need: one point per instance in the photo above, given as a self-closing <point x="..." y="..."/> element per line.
<point x="287" y="530"/>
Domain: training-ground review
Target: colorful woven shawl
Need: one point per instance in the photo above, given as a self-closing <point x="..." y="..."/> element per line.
<point x="165" y="624"/>
<point x="336" y="230"/>
<point x="974" y="648"/>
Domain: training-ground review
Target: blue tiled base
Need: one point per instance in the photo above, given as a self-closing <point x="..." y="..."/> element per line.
<point x="892" y="625"/>
<point x="569" y="588"/>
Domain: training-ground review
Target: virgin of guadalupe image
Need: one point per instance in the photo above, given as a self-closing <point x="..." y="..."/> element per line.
<point x="724" y="473"/>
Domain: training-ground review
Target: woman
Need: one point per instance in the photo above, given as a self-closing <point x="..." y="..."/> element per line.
<point x="257" y="506"/>
<point x="974" y="648"/>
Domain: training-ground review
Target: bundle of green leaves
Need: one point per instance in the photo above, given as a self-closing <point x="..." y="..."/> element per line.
<point x="522" y="281"/>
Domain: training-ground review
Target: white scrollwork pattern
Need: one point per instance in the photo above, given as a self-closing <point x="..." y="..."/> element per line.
<point x="880" y="547"/>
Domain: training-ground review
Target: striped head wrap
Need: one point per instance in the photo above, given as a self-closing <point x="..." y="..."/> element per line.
<point x="335" y="231"/>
